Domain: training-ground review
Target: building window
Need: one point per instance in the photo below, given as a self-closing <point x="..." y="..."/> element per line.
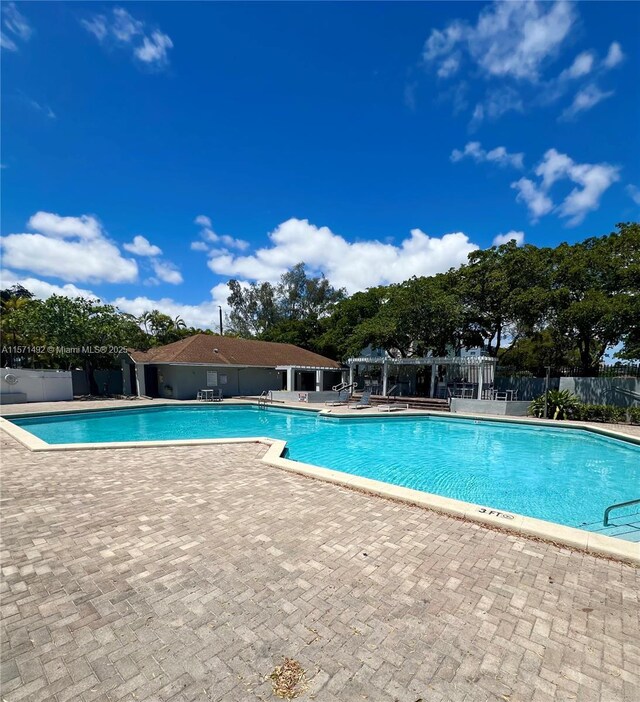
<point x="212" y="379"/>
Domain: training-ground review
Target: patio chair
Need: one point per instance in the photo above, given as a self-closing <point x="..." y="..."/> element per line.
<point x="216" y="395"/>
<point x="343" y="399"/>
<point x="364" y="401"/>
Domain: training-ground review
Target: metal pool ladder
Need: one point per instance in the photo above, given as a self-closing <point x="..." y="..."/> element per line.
<point x="605" y="521"/>
<point x="264" y="396"/>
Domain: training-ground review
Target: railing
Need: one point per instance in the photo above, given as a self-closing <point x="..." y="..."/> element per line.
<point x="618" y="370"/>
<point x="629" y="393"/>
<point x="605" y="521"/>
<point x="345" y="386"/>
<point x="264" y="396"/>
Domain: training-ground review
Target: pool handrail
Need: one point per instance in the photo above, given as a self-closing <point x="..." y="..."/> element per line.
<point x="605" y="521"/>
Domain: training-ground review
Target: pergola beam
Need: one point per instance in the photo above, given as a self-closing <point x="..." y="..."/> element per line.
<point x="424" y="361"/>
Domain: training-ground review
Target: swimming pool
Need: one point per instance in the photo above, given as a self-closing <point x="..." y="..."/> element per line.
<point x="559" y="475"/>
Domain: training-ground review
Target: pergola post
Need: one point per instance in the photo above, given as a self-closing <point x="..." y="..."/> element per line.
<point x="480" y="379"/>
<point x="384" y="377"/>
<point x="290" y="379"/>
<point x="140" y="380"/>
<point x="319" y="380"/>
<point x="351" y="369"/>
<point x="434" y="375"/>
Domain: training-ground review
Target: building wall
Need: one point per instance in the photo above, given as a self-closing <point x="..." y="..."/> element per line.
<point x="509" y="409"/>
<point x="602" y="391"/>
<point x="527" y="388"/>
<point x="35" y="385"/>
<point x="595" y="391"/>
<point x="183" y="382"/>
<point x="112" y="377"/>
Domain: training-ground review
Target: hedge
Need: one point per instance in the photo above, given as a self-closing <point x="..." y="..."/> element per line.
<point x="607" y="413"/>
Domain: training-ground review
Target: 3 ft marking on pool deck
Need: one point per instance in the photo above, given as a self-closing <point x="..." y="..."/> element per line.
<point x="494" y="513"/>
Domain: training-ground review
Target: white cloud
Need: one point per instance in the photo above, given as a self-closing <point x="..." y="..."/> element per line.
<point x="581" y="66"/>
<point x="40" y="288"/>
<point x="355" y="266"/>
<point x="166" y="272"/>
<point x="496" y="103"/>
<point x="585" y="66"/>
<point x="7" y="43"/>
<point x="210" y="236"/>
<point x="634" y="193"/>
<point x="500" y="239"/>
<point x="499" y="155"/>
<point x="124" y="27"/>
<point x="536" y="200"/>
<point x="45" y="109"/>
<point x="511" y="45"/>
<point x="121" y="29"/>
<point x="16" y="26"/>
<point x="225" y="239"/>
<point x="71" y="248"/>
<point x="510" y="39"/>
<point x="584" y="100"/>
<point x="614" y="55"/>
<point x="203" y="221"/>
<point x="592" y="180"/>
<point x="154" y="49"/>
<point x="97" y="26"/>
<point x="50" y="224"/>
<point x="140" y="246"/>
<point x="203" y="315"/>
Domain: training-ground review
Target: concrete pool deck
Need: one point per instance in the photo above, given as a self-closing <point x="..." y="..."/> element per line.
<point x="188" y="573"/>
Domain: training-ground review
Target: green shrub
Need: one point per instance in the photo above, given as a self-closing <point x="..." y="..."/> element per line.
<point x="562" y="404"/>
<point x="601" y="413"/>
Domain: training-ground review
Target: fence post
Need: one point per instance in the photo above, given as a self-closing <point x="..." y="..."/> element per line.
<point x="546" y="391"/>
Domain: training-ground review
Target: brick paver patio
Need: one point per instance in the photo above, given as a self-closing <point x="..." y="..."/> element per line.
<point x="189" y="573"/>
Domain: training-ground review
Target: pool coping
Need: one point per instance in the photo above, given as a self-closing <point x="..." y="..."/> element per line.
<point x="572" y="537"/>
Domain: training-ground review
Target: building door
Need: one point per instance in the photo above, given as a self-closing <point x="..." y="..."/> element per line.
<point x="151" y="381"/>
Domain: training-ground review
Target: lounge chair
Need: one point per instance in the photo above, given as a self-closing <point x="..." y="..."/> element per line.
<point x="393" y="407"/>
<point x="343" y="399"/>
<point x="364" y="401"/>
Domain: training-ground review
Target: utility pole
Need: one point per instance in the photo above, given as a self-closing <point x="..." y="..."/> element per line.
<point x="220" y="310"/>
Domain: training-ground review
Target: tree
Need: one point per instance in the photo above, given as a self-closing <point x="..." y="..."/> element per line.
<point x="253" y="308"/>
<point x="505" y="292"/>
<point x="258" y="309"/>
<point x="345" y="332"/>
<point x="74" y="332"/>
<point x="12" y="300"/>
<point x="596" y="294"/>
<point x="534" y="352"/>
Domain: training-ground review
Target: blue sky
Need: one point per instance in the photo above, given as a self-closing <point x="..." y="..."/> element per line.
<point x="151" y="151"/>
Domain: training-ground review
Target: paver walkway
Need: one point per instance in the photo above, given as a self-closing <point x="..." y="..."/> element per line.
<point x="188" y="573"/>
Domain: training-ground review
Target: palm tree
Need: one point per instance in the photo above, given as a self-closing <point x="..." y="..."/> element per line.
<point x="144" y="319"/>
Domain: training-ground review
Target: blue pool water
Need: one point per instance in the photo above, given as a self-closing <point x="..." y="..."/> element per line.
<point x="561" y="475"/>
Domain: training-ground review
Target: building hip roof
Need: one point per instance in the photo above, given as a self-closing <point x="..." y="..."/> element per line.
<point x="228" y="350"/>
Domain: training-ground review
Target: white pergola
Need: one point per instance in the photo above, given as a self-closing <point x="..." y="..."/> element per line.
<point x="480" y="369"/>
